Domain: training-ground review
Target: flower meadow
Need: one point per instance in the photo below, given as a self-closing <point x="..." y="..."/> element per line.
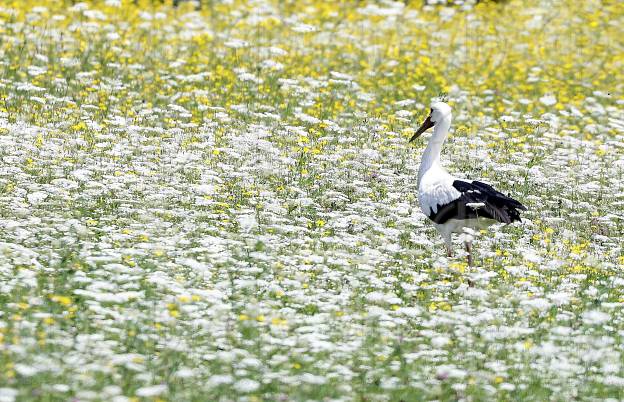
<point x="217" y="201"/>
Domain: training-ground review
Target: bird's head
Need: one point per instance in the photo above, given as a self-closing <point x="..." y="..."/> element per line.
<point x="439" y="112"/>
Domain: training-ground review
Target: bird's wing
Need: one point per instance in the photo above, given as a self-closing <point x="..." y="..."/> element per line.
<point x="478" y="200"/>
<point x="432" y="194"/>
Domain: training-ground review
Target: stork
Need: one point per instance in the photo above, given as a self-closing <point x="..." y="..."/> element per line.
<point x="452" y="204"/>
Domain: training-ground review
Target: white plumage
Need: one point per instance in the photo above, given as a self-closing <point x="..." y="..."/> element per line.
<point x="436" y="188"/>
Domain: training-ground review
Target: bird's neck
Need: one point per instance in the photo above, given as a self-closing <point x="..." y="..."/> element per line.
<point x="431" y="156"/>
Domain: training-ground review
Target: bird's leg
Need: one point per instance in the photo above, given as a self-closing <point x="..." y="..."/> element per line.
<point x="448" y="240"/>
<point x="469" y="251"/>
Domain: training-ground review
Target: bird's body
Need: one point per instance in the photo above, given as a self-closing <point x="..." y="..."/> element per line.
<point x="450" y="203"/>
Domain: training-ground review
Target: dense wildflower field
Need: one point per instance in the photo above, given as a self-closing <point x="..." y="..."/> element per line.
<point x="219" y="203"/>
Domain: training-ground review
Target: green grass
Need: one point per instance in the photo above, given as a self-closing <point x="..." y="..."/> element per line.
<point x="221" y="204"/>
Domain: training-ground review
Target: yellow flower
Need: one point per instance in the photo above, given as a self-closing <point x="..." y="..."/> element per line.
<point x="128" y="260"/>
<point x="460" y="266"/>
<point x="64" y="300"/>
<point x="278" y="321"/>
<point x="79" y="126"/>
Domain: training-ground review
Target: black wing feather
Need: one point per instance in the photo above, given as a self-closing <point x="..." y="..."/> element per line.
<point x="496" y="205"/>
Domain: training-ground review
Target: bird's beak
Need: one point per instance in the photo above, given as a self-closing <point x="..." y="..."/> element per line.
<point x="427" y="124"/>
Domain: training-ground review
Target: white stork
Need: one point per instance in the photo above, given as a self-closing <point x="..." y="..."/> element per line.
<point x="453" y="204"/>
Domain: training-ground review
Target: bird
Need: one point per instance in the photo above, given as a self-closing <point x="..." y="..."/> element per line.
<point x="452" y="204"/>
